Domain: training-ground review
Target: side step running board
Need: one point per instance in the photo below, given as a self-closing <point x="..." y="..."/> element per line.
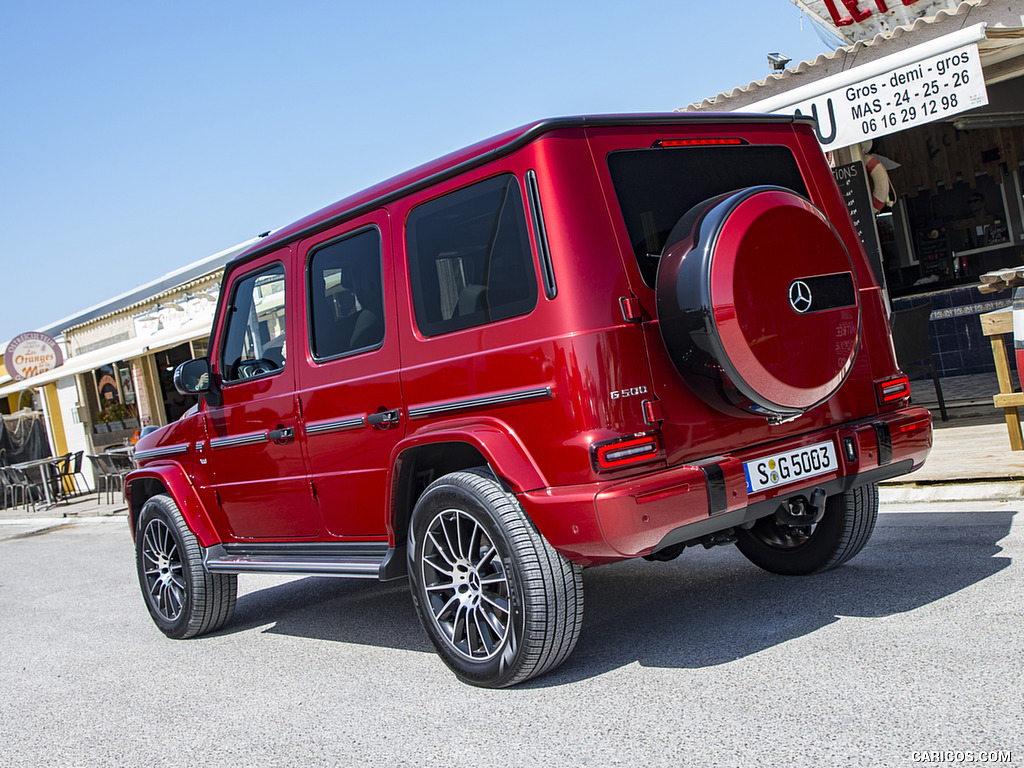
<point x="353" y="561"/>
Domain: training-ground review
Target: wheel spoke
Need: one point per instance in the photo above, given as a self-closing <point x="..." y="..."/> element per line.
<point x="444" y="552"/>
<point x="497" y="578"/>
<point x="501" y="605"/>
<point x="484" y="637"/>
<point x="492" y="621"/>
<point x="439" y="569"/>
<point x="452" y="601"/>
<point x="459" y="624"/>
<point x="486" y="559"/>
<point x="452" y="551"/>
<point x="473" y="542"/>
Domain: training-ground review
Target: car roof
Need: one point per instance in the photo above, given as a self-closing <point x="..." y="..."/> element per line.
<point x="482" y="152"/>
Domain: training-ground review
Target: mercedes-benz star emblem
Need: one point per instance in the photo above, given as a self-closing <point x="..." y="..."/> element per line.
<point x="800" y="296"/>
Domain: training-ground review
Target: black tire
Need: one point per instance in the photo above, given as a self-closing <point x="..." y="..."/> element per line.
<point x="498" y="603"/>
<point x="184" y="599"/>
<point x="843" y="531"/>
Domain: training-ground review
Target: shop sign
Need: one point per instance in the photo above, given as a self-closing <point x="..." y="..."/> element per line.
<point x="923" y="92"/>
<point x="852" y="180"/>
<point x="863" y="19"/>
<point x="31" y="354"/>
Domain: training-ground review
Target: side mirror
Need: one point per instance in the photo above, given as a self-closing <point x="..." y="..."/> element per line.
<point x="193" y="377"/>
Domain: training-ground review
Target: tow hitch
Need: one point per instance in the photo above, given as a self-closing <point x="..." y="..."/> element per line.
<point x="799" y="511"/>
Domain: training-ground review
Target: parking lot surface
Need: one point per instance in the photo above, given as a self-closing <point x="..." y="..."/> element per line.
<point x="912" y="651"/>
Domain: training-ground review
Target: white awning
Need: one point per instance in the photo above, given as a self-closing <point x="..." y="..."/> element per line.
<point x="123" y="350"/>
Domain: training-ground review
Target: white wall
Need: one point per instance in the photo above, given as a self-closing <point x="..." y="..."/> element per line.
<point x="74" y="430"/>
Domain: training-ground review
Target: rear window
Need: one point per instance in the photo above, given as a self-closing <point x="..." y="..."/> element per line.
<point x="655" y="187"/>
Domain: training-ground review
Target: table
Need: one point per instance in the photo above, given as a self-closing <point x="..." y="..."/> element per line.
<point x="122" y="458"/>
<point x="48" y="477"/>
<point x="996" y="325"/>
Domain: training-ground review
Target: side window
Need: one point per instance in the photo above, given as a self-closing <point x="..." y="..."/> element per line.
<point x="346" y="296"/>
<point x="469" y="257"/>
<point x="254" y="342"/>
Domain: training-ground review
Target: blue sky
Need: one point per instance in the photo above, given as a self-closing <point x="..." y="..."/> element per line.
<point x="138" y="136"/>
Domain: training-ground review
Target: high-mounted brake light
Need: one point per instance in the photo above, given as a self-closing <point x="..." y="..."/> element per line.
<point x="893" y="390"/>
<point x="623" y="452"/>
<point x="730" y="142"/>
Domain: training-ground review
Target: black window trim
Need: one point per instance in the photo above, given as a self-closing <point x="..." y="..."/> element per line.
<point x="470" y="182"/>
<point x="540" y="235"/>
<point x="310" y="253"/>
<point x="229" y="311"/>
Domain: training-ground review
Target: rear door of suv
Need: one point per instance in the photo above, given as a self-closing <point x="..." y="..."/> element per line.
<point x="653" y="176"/>
<point x="349" y="388"/>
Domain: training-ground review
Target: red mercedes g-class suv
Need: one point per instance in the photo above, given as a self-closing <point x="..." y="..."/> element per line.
<point x="585" y="340"/>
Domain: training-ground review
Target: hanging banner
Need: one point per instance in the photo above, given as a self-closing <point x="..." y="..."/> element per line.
<point x="863" y="19"/>
<point x="928" y="90"/>
<point x="917" y="85"/>
<point x="30" y="354"/>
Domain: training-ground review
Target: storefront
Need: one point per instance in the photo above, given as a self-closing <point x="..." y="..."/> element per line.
<point x="125" y="386"/>
<point x="119" y="357"/>
<point x="924" y="123"/>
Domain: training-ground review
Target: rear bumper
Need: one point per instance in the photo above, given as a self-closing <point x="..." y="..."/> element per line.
<point x="604" y="522"/>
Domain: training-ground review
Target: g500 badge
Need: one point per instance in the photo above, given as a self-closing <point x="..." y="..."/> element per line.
<point x="622" y="394"/>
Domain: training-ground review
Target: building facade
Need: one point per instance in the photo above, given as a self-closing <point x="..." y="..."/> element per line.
<point x="118" y="361"/>
<point x="923" y="117"/>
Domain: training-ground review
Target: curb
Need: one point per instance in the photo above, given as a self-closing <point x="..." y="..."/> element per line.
<point x="918" y="493"/>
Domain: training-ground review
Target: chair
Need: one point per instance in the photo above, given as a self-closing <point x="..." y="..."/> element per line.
<point x="910" y="334"/>
<point x="105" y="476"/>
<point x="69" y="468"/>
<point x="17" y="482"/>
<point x="8" y="489"/>
<point x="119" y="464"/>
<point x="54" y="473"/>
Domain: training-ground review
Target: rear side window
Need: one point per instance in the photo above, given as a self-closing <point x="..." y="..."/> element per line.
<point x="470" y="261"/>
<point x="655" y="187"/>
<point x="346" y="297"/>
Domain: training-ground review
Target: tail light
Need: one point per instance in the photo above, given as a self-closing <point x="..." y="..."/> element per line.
<point x="893" y="390"/>
<point x="625" y="451"/>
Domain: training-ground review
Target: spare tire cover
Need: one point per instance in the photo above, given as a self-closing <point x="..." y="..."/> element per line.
<point x="758" y="303"/>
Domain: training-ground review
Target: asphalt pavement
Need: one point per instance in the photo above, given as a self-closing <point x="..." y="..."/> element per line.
<point x="912" y="651"/>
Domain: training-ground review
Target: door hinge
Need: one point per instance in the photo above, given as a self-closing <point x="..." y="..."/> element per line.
<point x="652" y="412"/>
<point x="630" y="306"/>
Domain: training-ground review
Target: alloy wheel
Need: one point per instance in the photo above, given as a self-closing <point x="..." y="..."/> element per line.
<point x="165" y="581"/>
<point x="466" y="584"/>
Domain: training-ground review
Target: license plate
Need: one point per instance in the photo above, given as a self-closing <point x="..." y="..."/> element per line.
<point x="790" y="466"/>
